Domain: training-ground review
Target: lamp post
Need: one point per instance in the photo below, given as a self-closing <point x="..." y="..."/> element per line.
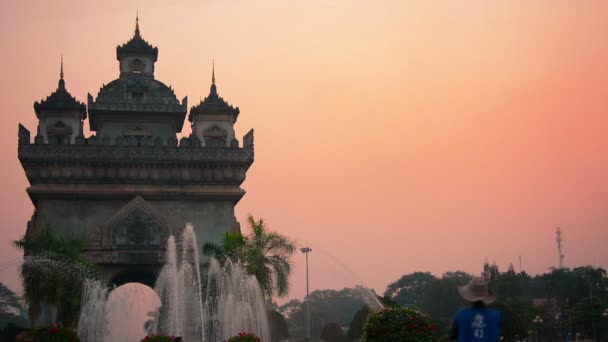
<point x="307" y="250"/>
<point x="537" y="322"/>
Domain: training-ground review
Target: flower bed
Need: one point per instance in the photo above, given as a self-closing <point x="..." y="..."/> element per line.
<point x="53" y="333"/>
<point x="397" y="325"/>
<point x="160" y="338"/>
<point x="244" y="337"/>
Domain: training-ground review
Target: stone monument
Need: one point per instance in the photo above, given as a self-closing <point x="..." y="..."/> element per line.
<point x="131" y="184"/>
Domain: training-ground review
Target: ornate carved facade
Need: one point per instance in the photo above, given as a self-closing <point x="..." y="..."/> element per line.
<point x="131" y="183"/>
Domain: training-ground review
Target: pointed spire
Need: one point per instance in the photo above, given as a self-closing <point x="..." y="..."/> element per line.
<point x="137" y="23"/>
<point x="61" y="71"/>
<point x="61" y="84"/>
<point x="213" y="71"/>
<point x="213" y="88"/>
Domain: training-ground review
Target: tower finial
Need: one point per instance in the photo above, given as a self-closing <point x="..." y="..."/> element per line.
<point x="61" y="70"/>
<point x="213" y="72"/>
<point x="137" y="23"/>
<point x="61" y="83"/>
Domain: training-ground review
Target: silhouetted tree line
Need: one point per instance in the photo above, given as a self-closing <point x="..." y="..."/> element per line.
<point x="568" y="300"/>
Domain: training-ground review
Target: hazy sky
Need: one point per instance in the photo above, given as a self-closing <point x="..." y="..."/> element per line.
<point x="392" y="136"/>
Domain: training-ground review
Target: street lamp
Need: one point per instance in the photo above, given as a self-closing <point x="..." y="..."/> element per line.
<point x="537" y="321"/>
<point x="307" y="250"/>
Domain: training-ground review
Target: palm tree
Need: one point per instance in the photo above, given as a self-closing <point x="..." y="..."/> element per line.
<point x="232" y="247"/>
<point x="52" y="273"/>
<point x="265" y="255"/>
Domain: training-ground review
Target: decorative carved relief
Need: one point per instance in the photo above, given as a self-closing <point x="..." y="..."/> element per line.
<point x="137" y="66"/>
<point x="59" y="133"/>
<point x="215" y="137"/>
<point x="136" y="225"/>
<point x="172" y="142"/>
<point x="136" y="230"/>
<point x="158" y="142"/>
<point x="195" y="141"/>
<point x="184" y="142"/>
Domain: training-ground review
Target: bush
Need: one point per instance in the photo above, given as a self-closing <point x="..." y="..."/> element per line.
<point x="160" y="338"/>
<point x="332" y="332"/>
<point x="53" y="333"/>
<point x="244" y="337"/>
<point x="397" y="325"/>
<point x="10" y="332"/>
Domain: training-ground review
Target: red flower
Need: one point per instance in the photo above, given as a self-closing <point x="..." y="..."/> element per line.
<point x="54" y="330"/>
<point x="433" y="327"/>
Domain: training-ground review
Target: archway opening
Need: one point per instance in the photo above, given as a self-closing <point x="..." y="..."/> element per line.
<point x="143" y="276"/>
<point x="129" y="310"/>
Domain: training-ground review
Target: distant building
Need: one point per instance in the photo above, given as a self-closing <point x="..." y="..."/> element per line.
<point x="131" y="184"/>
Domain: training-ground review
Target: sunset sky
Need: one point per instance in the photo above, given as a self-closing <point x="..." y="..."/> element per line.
<point x="391" y="136"/>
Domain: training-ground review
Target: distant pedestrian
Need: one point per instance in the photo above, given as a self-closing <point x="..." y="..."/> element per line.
<point x="477" y="323"/>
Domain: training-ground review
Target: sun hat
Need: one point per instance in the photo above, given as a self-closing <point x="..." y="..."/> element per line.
<point x="476" y="291"/>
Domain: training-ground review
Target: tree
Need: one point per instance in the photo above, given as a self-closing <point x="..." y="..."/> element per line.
<point x="232" y="246"/>
<point x="277" y="325"/>
<point x="357" y="324"/>
<point x="326" y="306"/>
<point x="266" y="255"/>
<point x="409" y="289"/>
<point x="587" y="317"/>
<point x="442" y="300"/>
<point x="518" y="313"/>
<point x="53" y="273"/>
<point x="399" y="324"/>
<point x="332" y="332"/>
<point x="10" y="313"/>
<point x="8" y="300"/>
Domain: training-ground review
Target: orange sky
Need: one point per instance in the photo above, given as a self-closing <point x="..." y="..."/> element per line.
<point x="392" y="136"/>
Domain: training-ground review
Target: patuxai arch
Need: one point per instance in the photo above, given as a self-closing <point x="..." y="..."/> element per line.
<point x="131" y="183"/>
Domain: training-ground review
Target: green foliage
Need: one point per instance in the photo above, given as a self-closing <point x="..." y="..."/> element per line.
<point x="53" y="273"/>
<point x="441" y="299"/>
<point x="517" y="315"/>
<point x="399" y="324"/>
<point x="332" y="332"/>
<point x="586" y="317"/>
<point x="266" y="255"/>
<point x="244" y="337"/>
<point x="277" y="325"/>
<point x="560" y="297"/>
<point x="232" y="246"/>
<point x="409" y="289"/>
<point x="8" y="300"/>
<point x="53" y="333"/>
<point x="11" y="331"/>
<point x="357" y="324"/>
<point x="325" y="306"/>
<point x="160" y="338"/>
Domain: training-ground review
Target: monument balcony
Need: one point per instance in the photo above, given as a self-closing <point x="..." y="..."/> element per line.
<point x="44" y="163"/>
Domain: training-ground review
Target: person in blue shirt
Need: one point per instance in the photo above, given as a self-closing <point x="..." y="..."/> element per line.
<point x="476" y="323"/>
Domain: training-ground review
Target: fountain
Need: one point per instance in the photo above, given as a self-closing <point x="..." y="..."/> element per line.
<point x="207" y="307"/>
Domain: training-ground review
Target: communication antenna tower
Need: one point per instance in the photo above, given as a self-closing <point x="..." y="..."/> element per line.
<point x="560" y="247"/>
